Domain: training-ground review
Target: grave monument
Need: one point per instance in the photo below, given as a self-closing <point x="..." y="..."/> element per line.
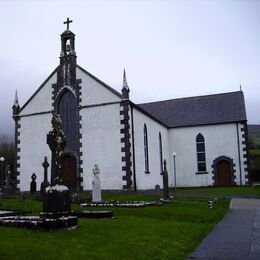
<point x="166" y="195"/>
<point x="96" y="186"/>
<point x="45" y="182"/>
<point x="33" y="184"/>
<point x="56" y="197"/>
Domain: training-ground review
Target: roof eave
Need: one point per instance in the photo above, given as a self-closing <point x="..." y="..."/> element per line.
<point x="148" y="114"/>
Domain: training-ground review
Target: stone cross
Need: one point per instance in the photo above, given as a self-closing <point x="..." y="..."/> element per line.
<point x="45" y="165"/>
<point x="96" y="186"/>
<point x="57" y="142"/>
<point x="45" y="182"/>
<point x="68" y="23"/>
<point x="56" y="197"/>
<point x="165" y="181"/>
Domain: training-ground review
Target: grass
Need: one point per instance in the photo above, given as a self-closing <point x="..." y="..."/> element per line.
<point x="170" y="231"/>
<point x="235" y="190"/>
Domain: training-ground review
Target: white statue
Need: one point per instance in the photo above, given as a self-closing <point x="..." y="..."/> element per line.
<point x="96" y="186"/>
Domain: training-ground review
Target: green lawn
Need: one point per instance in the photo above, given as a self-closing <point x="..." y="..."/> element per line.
<point x="170" y="231"/>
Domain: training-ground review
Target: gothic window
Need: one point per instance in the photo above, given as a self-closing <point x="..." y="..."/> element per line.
<point x="160" y="153"/>
<point x="146" y="156"/>
<point x="201" y="155"/>
<point x="67" y="108"/>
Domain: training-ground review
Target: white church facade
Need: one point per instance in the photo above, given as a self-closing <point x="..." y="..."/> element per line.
<point x="207" y="135"/>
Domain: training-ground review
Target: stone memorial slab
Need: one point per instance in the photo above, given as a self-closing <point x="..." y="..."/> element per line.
<point x="157" y="192"/>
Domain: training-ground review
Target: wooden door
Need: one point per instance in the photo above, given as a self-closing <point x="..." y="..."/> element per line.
<point x="224" y="173"/>
<point x="69" y="172"/>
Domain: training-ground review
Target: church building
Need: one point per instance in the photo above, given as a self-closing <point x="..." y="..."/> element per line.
<point x="203" y="139"/>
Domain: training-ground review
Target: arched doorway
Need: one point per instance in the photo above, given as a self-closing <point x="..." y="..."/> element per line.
<point x="69" y="172"/>
<point x="224" y="173"/>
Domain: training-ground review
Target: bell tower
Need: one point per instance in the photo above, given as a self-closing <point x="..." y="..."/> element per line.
<point x="67" y="41"/>
<point x="66" y="98"/>
<point x="68" y="59"/>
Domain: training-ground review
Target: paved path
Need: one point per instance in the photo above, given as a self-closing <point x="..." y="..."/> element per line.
<point x="236" y="237"/>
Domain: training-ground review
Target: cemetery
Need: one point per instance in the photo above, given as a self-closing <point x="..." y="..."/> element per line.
<point x="172" y="229"/>
<point x="161" y="223"/>
<point x="125" y="223"/>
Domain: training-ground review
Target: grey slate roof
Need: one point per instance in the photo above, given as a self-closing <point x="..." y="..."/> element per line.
<point x="201" y="110"/>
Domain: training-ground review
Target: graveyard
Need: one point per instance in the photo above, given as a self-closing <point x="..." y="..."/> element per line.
<point x="53" y="223"/>
<point x="171" y="230"/>
<point x="158" y="224"/>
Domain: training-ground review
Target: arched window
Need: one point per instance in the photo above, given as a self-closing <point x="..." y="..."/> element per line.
<point x="160" y="153"/>
<point x="201" y="155"/>
<point x="67" y="108"/>
<point x="146" y="156"/>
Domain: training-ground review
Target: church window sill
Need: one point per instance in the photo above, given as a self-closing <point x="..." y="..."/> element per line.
<point x="204" y="172"/>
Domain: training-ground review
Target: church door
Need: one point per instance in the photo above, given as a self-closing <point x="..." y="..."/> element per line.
<point x="69" y="166"/>
<point x="224" y="173"/>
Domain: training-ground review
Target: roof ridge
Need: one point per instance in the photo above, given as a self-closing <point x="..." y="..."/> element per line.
<point x="217" y="94"/>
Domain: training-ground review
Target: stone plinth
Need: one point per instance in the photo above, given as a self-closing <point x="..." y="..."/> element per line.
<point x="56" y="199"/>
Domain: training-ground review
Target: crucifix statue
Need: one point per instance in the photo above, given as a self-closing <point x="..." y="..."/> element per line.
<point x="68" y="23"/>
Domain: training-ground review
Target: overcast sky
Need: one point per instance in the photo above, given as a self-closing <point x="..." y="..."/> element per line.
<point x="170" y="49"/>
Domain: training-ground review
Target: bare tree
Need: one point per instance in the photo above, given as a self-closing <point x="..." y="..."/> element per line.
<point x="7" y="149"/>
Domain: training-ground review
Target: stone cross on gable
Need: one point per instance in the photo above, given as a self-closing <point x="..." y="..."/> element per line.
<point x="68" y="23"/>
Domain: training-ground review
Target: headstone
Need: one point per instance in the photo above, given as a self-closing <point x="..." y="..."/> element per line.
<point x="45" y="182"/>
<point x="157" y="192"/>
<point x="96" y="186"/>
<point x="165" y="182"/>
<point x="8" y="191"/>
<point x="33" y="184"/>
